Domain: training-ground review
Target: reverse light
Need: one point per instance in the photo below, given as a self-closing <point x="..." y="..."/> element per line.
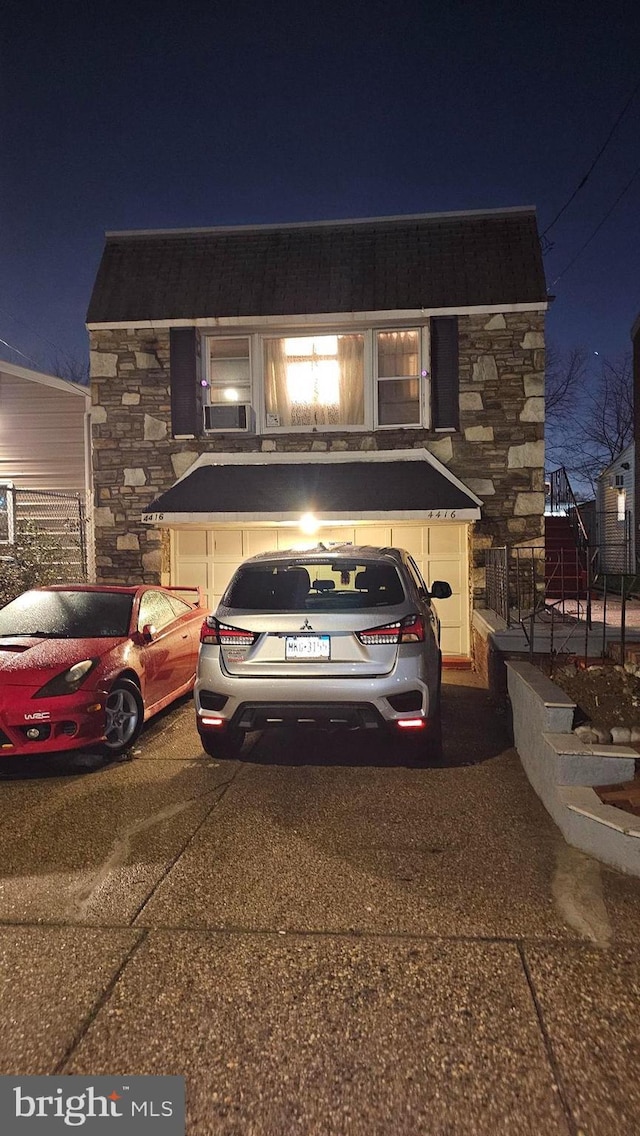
<point x="69" y="681"/>
<point x="223" y="635"/>
<point x="411" y="723"/>
<point x="212" y="721"/>
<point x="412" y="629"/>
<point x="407" y="630"/>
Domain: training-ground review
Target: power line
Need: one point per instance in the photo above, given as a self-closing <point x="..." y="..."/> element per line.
<point x="56" y="346"/>
<point x="595" y="160"/>
<point x="12" y="348"/>
<point x="599" y="225"/>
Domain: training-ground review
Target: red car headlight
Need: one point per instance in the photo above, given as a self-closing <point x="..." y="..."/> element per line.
<point x="69" y="681"/>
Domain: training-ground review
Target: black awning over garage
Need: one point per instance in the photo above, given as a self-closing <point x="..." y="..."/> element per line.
<point x="241" y="489"/>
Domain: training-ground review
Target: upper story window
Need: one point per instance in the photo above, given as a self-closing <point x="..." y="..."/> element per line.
<point x="372" y="378"/>
<point x="314" y="380"/>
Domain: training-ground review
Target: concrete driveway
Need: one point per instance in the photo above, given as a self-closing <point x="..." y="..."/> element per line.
<point x="321" y="938"/>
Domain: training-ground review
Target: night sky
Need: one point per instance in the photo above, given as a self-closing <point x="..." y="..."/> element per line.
<point x="159" y="115"/>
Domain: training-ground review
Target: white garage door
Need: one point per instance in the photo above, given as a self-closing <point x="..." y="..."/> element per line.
<point x="208" y="557"/>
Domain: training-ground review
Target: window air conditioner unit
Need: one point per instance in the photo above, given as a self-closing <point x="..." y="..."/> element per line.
<point x="230" y="416"/>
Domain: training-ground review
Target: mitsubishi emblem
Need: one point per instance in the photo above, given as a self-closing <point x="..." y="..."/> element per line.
<point x="306" y="626"/>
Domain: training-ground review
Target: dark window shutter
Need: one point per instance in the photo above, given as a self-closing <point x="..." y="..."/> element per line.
<point x="185" y="396"/>
<point x="444" y="373"/>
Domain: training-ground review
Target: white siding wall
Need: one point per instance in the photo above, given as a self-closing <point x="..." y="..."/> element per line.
<point x="611" y="531"/>
<point x="42" y="435"/>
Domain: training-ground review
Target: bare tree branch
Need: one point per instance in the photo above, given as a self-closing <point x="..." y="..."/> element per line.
<point x="70" y="367"/>
<point x="595" y="423"/>
<point x="564" y="378"/>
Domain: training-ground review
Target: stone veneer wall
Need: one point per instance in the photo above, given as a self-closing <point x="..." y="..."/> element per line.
<point x="498" y="452"/>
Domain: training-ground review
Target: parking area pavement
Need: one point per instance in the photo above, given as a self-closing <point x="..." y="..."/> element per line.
<point x="321" y="937"/>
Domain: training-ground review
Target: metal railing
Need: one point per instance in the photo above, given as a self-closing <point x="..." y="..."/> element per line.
<point x="514" y="581"/>
<point x="497" y="581"/>
<point x="562" y="502"/>
<point x="561" y="607"/>
<point x="592" y="585"/>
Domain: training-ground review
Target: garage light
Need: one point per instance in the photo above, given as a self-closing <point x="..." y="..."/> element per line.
<point x="309" y="524"/>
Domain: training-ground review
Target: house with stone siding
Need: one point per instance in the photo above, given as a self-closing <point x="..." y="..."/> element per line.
<point x="378" y="381"/>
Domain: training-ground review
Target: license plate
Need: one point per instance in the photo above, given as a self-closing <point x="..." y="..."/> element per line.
<point x="307" y="647"/>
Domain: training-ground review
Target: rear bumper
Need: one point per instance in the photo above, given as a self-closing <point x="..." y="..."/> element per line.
<point x="355" y="703"/>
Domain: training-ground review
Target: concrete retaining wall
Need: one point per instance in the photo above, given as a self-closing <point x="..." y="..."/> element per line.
<point x="562" y="769"/>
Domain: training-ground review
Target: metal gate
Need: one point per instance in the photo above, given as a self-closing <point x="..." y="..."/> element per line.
<point x="56" y="520"/>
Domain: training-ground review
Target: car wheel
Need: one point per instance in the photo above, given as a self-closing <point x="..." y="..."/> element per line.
<point x="227" y="745"/>
<point x="124" y="717"/>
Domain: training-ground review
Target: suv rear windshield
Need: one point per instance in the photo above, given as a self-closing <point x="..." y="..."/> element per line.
<point x="314" y="585"/>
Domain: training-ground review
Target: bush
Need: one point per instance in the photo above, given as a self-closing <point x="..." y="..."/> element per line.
<point x="32" y="561"/>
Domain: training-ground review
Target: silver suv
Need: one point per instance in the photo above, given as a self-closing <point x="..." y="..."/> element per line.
<point x="338" y="636"/>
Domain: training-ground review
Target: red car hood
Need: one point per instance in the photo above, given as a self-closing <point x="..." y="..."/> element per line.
<point x="30" y="661"/>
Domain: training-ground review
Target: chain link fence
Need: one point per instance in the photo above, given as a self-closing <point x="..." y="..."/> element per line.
<point x="55" y="520"/>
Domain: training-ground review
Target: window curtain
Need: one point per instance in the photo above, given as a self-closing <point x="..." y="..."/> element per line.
<point x="279" y="398"/>
<point x="397" y="354"/>
<point x="351" y="360"/>
<point x="275" y="382"/>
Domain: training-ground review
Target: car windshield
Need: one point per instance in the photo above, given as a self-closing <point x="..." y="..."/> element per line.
<point x="67" y="615"/>
<point x="314" y="585"/>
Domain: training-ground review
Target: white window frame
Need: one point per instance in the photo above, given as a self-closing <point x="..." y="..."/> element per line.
<point x="422" y="383"/>
<point x="208" y="371"/>
<point x="369" y="332"/>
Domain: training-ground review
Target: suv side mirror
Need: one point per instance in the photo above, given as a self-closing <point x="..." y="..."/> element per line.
<point x="440" y="590"/>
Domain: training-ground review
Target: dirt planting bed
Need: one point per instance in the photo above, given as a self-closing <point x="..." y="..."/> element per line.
<point x="607" y="694"/>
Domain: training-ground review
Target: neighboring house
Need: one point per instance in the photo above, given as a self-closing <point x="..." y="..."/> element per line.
<point x="384" y="375"/>
<point x="618" y="491"/>
<point x="615" y="513"/>
<point x="45" y="443"/>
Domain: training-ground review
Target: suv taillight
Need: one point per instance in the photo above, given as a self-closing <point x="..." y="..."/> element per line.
<point x="223" y="635"/>
<point x="412" y="629"/>
<point x="407" y="630"/>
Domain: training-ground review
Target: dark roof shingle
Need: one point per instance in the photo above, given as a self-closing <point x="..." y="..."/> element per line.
<point x="343" y="487"/>
<point x="436" y="261"/>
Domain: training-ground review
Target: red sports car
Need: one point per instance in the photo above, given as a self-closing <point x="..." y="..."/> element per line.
<point x="84" y="665"/>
